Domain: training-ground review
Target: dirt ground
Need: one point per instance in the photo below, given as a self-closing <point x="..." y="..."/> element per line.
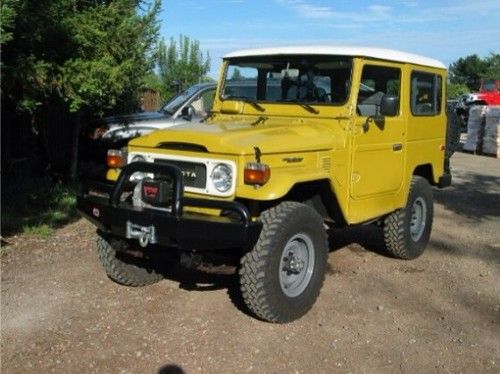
<point x="437" y="314"/>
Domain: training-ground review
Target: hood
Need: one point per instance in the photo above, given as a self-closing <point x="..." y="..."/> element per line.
<point x="128" y="126"/>
<point x="240" y="137"/>
<point x="136" y="118"/>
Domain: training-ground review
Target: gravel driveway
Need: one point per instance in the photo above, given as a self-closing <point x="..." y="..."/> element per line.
<point x="437" y="314"/>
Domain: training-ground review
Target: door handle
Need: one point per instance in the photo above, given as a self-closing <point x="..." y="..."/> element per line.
<point x="397" y="147"/>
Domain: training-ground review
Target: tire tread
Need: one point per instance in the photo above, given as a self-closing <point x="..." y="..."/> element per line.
<point x="396" y="234"/>
<point x="119" y="271"/>
<point x="252" y="271"/>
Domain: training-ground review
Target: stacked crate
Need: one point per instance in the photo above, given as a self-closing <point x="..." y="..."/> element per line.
<point x="483" y="130"/>
<point x="491" y="139"/>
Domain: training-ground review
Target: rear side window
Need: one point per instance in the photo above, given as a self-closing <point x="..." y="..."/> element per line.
<point x="426" y="92"/>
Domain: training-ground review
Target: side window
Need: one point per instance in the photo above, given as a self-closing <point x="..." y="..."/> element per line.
<point x="377" y="81"/>
<point x="426" y="93"/>
<point x="203" y="103"/>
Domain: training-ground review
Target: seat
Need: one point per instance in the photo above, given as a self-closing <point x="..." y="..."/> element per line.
<point x="320" y="95"/>
<point x="370" y="105"/>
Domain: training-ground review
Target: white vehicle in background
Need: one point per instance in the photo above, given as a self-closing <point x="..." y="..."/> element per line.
<point x="189" y="106"/>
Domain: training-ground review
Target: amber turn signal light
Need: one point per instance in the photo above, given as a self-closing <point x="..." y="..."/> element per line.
<point x="115" y="158"/>
<point x="257" y="173"/>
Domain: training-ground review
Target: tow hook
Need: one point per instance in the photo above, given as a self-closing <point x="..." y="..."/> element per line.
<point x="145" y="234"/>
<point x="144" y="239"/>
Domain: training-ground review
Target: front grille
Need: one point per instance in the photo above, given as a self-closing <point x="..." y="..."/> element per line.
<point x="195" y="174"/>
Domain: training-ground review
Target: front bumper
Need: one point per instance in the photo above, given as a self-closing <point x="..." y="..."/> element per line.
<point x="173" y="228"/>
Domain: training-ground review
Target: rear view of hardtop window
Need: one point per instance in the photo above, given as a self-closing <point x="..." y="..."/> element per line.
<point x="281" y="79"/>
<point x="426" y="94"/>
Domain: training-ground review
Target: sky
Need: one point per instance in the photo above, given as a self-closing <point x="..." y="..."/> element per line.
<point x="441" y="29"/>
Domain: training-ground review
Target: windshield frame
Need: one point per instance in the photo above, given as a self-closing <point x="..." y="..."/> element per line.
<point x="286" y="60"/>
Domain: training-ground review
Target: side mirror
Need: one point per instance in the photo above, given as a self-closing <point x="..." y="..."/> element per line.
<point x="187" y="113"/>
<point x="389" y="106"/>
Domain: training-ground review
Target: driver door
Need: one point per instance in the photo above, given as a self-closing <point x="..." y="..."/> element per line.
<point x="378" y="146"/>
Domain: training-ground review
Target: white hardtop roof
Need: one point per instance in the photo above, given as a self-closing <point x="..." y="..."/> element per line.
<point x="378" y="53"/>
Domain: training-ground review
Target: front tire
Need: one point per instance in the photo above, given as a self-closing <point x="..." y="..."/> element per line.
<point x="407" y="231"/>
<point x="124" y="265"/>
<point x="282" y="276"/>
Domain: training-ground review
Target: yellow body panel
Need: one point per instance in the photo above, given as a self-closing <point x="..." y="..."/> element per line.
<point x="368" y="167"/>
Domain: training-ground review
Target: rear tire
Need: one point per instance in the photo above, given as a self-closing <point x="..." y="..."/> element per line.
<point x="282" y="276"/>
<point x="124" y="265"/>
<point x="453" y="127"/>
<point x="407" y="231"/>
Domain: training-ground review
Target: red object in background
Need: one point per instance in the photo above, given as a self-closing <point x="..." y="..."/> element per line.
<point x="489" y="92"/>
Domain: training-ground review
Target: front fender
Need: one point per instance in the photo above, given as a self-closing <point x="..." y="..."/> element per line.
<point x="280" y="183"/>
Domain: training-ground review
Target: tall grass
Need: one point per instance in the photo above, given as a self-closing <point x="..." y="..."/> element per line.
<point x="37" y="205"/>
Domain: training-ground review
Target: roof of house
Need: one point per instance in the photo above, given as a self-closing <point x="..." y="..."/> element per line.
<point x="378" y="53"/>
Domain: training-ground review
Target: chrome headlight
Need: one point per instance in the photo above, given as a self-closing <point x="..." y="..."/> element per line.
<point x="222" y="177"/>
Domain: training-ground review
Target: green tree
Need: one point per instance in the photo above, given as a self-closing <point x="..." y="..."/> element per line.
<point x="472" y="69"/>
<point x="7" y="17"/>
<point x="115" y="54"/>
<point x="455" y="90"/>
<point x="80" y="56"/>
<point x="493" y="66"/>
<point x="91" y="54"/>
<point x="468" y="71"/>
<point x="181" y="64"/>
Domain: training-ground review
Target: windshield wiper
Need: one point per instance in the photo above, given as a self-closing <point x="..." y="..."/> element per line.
<point x="307" y="107"/>
<point x="259" y="120"/>
<point x="247" y="100"/>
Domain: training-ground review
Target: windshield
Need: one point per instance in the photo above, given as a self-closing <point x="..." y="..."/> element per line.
<point x="298" y="79"/>
<point x="176" y="102"/>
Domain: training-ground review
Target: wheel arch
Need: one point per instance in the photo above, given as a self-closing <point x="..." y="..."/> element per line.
<point x="317" y="194"/>
<point x="425" y="171"/>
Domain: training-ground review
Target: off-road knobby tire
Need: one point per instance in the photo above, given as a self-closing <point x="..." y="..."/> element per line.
<point x="397" y="236"/>
<point x="259" y="272"/>
<point x="122" y="267"/>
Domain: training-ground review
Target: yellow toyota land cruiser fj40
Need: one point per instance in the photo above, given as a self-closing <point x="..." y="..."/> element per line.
<point x="311" y="137"/>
